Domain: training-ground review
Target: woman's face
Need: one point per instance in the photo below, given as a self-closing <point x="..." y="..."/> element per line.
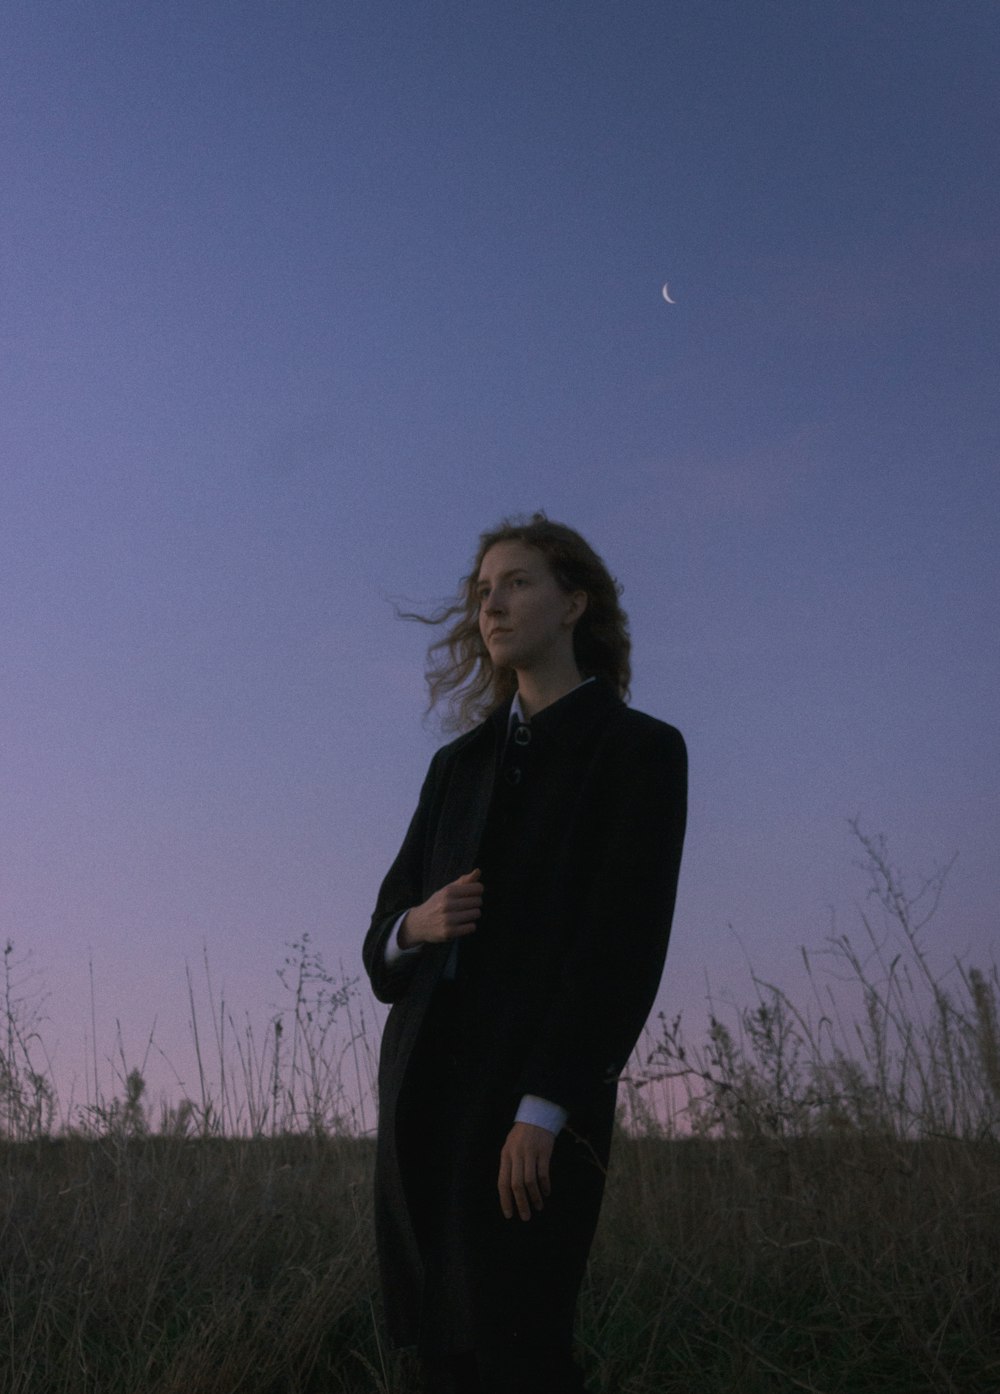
<point x="526" y="619"/>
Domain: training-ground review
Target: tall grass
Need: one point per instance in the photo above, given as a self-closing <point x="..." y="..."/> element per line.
<point x="891" y="1044"/>
<point x="309" y="1068"/>
<point x="809" y="1199"/>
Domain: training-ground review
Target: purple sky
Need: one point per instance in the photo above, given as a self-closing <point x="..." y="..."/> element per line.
<point x="297" y="298"/>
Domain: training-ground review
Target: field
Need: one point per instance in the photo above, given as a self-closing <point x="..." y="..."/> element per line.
<point x="795" y="1204"/>
<point x="170" y="1266"/>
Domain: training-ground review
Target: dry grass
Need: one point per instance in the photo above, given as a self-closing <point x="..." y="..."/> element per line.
<point x="173" y="1265"/>
<point x="847" y="1265"/>
<point x="812" y="1202"/>
<point x="843" y="1265"/>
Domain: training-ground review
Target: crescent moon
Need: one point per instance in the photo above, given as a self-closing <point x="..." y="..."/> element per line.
<point x="666" y="295"/>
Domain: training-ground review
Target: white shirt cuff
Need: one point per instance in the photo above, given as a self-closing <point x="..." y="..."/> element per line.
<point x="394" y="951"/>
<point x="541" y="1113"/>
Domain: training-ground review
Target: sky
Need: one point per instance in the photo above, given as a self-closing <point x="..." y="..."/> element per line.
<point x="298" y="298"/>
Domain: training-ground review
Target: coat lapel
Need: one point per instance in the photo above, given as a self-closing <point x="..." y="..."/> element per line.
<point x="467" y="801"/>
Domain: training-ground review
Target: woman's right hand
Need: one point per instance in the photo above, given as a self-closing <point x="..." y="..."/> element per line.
<point x="448" y="914"/>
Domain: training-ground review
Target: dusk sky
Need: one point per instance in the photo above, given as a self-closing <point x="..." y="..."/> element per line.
<point x="298" y="298"/>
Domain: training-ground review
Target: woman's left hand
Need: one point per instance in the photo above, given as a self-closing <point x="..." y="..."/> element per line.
<point x="524" y="1169"/>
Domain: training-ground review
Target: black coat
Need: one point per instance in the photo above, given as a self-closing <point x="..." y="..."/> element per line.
<point x="578" y="835"/>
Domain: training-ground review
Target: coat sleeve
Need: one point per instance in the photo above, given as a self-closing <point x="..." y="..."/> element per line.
<point x="610" y="975"/>
<point x="402" y="888"/>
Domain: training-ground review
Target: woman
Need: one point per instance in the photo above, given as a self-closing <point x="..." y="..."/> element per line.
<point x="520" y="936"/>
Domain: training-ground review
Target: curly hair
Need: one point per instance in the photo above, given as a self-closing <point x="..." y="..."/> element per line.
<point x="459" y="667"/>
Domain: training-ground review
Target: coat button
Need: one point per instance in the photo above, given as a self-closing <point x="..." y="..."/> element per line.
<point x="514" y="775"/>
<point x="522" y="735"/>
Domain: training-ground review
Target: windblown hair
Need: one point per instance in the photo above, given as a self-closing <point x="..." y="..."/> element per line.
<point x="459" y="668"/>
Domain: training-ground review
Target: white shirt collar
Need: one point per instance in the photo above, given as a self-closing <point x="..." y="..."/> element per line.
<point x="517" y="716"/>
